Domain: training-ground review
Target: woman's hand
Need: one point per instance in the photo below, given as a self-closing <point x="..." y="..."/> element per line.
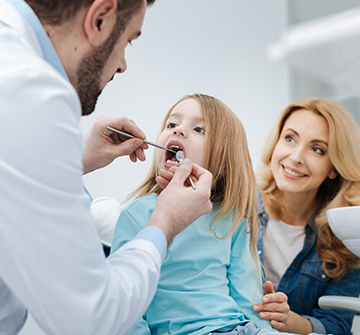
<point x="274" y="307"/>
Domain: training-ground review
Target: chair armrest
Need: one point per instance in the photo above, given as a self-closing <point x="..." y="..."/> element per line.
<point x="340" y="302"/>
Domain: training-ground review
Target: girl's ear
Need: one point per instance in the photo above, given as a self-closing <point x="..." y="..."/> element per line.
<point x="99" y="21"/>
<point x="333" y="173"/>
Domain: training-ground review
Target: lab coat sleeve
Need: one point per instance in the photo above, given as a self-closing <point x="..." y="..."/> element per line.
<point x="245" y="282"/>
<point x="51" y="258"/>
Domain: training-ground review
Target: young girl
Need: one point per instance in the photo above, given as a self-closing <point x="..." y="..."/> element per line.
<point x="211" y="276"/>
<point x="310" y="163"/>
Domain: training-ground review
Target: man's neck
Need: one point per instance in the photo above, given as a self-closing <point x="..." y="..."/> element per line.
<point x="69" y="43"/>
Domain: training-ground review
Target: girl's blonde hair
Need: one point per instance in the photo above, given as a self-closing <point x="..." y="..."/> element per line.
<point x="344" y="190"/>
<point x="227" y="157"/>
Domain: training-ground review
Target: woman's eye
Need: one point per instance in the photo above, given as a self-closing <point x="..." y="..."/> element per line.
<point x="200" y="130"/>
<point x="318" y="150"/>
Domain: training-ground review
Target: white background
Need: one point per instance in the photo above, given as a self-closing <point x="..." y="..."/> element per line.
<point x="195" y="46"/>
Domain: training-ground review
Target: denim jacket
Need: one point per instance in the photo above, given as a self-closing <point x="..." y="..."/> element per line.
<point x="304" y="282"/>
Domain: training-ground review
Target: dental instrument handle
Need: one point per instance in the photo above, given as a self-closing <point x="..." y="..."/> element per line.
<point x="145" y="141"/>
<point x="180" y="157"/>
<point x="191" y="181"/>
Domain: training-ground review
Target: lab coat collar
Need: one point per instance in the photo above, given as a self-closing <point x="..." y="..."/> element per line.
<point x="47" y="48"/>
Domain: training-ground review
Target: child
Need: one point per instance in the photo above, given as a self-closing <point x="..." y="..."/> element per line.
<point x="211" y="276"/>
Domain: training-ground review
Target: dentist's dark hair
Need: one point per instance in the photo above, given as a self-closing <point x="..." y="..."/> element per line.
<point x="58" y="12"/>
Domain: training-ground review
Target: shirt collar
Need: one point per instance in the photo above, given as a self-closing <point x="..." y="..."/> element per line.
<point x="47" y="48"/>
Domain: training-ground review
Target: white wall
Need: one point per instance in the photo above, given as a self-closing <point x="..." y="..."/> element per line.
<point x="206" y="46"/>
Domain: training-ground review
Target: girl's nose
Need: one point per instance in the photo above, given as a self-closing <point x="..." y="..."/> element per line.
<point x="179" y="131"/>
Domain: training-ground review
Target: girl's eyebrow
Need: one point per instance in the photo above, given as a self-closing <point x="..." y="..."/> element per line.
<point x="312" y="141"/>
<point x="179" y="115"/>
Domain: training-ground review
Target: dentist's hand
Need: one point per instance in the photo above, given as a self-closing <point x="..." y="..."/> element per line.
<point x="179" y="204"/>
<point x="102" y="146"/>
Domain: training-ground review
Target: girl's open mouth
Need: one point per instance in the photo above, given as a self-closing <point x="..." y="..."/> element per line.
<point x="170" y="157"/>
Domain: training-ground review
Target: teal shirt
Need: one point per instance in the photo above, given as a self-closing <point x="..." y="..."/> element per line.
<point x="206" y="283"/>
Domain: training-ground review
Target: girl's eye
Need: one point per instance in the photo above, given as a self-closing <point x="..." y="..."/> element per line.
<point x="200" y="130"/>
<point x="171" y="125"/>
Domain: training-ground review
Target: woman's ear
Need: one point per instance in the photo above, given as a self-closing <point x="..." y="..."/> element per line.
<point x="99" y="21"/>
<point x="333" y="173"/>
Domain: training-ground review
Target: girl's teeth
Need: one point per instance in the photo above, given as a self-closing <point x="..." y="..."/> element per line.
<point x="172" y="162"/>
<point x="295" y="174"/>
<point x="174" y="147"/>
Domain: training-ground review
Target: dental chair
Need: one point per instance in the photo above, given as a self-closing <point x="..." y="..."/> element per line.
<point x="105" y="212"/>
<point x="349" y="234"/>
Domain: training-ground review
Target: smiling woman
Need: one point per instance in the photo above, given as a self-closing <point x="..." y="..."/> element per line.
<point x="310" y="163"/>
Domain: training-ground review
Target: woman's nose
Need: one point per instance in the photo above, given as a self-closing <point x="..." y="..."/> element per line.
<point x="297" y="156"/>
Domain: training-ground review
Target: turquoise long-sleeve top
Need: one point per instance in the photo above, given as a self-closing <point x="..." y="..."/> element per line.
<point x="206" y="283"/>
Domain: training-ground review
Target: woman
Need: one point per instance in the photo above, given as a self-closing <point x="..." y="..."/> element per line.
<point x="310" y="163"/>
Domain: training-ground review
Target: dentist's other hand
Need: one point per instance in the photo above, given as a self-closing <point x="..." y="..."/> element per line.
<point x="179" y="204"/>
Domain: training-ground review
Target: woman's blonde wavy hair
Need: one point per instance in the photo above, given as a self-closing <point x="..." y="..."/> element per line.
<point x="344" y="190"/>
<point x="227" y="157"/>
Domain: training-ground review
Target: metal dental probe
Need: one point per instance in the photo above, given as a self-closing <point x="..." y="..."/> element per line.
<point x="145" y="141"/>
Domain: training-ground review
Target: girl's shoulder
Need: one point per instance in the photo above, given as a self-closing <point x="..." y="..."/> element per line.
<point x="142" y="206"/>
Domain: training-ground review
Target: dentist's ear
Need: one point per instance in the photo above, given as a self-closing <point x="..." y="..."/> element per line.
<point x="99" y="21"/>
<point x="333" y="173"/>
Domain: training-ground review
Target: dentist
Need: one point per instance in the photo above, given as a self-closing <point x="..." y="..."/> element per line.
<point x="55" y="59"/>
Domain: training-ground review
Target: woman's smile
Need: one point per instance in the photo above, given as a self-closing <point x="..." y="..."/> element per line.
<point x="292" y="172"/>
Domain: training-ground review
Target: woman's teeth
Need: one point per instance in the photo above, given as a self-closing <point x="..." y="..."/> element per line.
<point x="295" y="174"/>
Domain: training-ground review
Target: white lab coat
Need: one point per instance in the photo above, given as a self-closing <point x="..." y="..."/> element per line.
<point x="51" y="260"/>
